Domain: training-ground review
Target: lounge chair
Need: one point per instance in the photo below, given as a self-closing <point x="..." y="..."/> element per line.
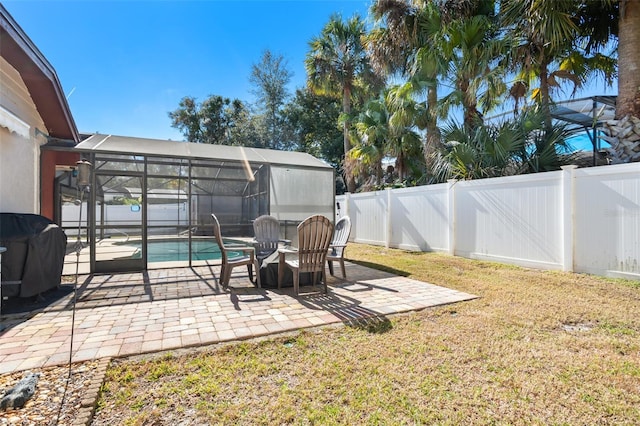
<point x="231" y="259"/>
<point x="314" y="236"/>
<point x="339" y="244"/>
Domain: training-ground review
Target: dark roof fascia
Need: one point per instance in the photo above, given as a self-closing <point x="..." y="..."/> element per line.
<point x="54" y="144"/>
<point x="39" y="76"/>
<point x="606" y="99"/>
<point x="571" y="116"/>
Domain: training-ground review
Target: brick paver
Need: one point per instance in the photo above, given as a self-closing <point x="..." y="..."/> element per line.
<point x="127" y="314"/>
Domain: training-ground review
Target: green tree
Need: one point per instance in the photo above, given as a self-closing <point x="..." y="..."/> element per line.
<point x="520" y="145"/>
<point x="270" y="78"/>
<point x="473" y="51"/>
<point x="407" y="41"/>
<point x="187" y="119"/>
<point x="404" y="142"/>
<point x="371" y="133"/>
<point x="249" y="129"/>
<point x="210" y="121"/>
<point x="387" y="128"/>
<point x="311" y="120"/>
<point x="337" y="64"/>
<point x="551" y="45"/>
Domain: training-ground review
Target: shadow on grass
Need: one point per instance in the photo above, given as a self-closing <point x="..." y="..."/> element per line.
<point x="374" y="325"/>
<point x="348" y="310"/>
<point x="380" y="267"/>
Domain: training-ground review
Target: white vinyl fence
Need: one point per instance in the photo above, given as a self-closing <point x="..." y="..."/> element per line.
<point x="170" y="215"/>
<point x="582" y="220"/>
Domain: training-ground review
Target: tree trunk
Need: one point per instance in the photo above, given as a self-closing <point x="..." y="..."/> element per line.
<point x="433" y="142"/>
<point x="628" y="102"/>
<point x="400" y="165"/>
<point x="469" y="105"/>
<point x="346" y="108"/>
<point x="545" y="101"/>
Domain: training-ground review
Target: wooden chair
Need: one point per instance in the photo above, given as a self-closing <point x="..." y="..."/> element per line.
<point x="339" y="244"/>
<point x="266" y="231"/>
<point x="314" y="236"/>
<point x="231" y="257"/>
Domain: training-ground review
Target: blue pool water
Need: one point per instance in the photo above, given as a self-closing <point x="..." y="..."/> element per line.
<point x="178" y="250"/>
<point x="582" y="142"/>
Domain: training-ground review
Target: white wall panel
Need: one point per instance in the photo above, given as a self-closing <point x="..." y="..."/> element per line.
<point x="512" y="219"/>
<point x="420" y="218"/>
<point x="298" y="193"/>
<point x="368" y="213"/>
<point x="607" y="224"/>
<point x="20" y="165"/>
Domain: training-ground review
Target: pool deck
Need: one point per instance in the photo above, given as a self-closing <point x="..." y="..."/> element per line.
<point x="125" y="314"/>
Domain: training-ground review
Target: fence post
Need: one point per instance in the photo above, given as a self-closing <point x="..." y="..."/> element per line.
<point x="347" y="203"/>
<point x="451" y="206"/>
<point x="388" y="232"/>
<point x="567" y="216"/>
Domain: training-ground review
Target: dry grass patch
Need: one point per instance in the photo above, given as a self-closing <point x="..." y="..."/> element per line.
<point x="536" y="348"/>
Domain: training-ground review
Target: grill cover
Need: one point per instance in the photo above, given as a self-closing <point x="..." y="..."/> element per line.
<point x="35" y="254"/>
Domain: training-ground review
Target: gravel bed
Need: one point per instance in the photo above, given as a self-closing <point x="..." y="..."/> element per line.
<point x="49" y="405"/>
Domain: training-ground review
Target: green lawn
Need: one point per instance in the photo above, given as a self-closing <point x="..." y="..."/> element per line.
<point x="536" y="348"/>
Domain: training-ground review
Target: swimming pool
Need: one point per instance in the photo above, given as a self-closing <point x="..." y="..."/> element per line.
<point x="178" y="250"/>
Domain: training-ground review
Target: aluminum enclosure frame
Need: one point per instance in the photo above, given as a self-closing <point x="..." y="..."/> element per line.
<point x="173" y="187"/>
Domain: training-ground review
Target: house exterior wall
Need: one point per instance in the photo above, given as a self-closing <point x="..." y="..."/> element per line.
<point x="19" y="155"/>
<point x="48" y="163"/>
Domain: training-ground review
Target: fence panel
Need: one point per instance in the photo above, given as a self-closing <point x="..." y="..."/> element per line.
<point x="368" y="213"/>
<point x="420" y="218"/>
<point x="585" y="220"/>
<point x="511" y="219"/>
<point x="607" y="221"/>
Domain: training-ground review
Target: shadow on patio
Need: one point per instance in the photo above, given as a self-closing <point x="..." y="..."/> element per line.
<point x="165" y="309"/>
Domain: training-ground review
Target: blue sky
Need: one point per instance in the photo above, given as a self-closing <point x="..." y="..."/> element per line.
<point x="124" y="64"/>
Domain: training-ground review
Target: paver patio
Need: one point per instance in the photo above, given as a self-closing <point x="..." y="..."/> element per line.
<point x="133" y="313"/>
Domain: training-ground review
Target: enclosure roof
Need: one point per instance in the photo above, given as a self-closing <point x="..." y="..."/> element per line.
<point x="125" y="145"/>
<point x="580" y="113"/>
<point x="585" y="112"/>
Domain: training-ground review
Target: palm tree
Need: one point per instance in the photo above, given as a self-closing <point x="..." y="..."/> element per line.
<point x="516" y="146"/>
<point x="387" y="127"/>
<point x="407" y="41"/>
<point x="406" y="116"/>
<point x="474" y="50"/>
<point x="337" y="64"/>
<point x="551" y="44"/>
<point x="371" y="132"/>
<point x="628" y="102"/>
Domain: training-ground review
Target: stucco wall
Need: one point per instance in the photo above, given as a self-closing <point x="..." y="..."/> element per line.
<point x="19" y="156"/>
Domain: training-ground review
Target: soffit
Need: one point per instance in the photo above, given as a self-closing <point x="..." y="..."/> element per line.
<point x="39" y="77"/>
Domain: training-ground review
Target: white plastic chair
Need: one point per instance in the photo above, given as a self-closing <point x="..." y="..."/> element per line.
<point x="266" y="231"/>
<point x="314" y="236"/>
<point x="231" y="259"/>
<point x="339" y="244"/>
